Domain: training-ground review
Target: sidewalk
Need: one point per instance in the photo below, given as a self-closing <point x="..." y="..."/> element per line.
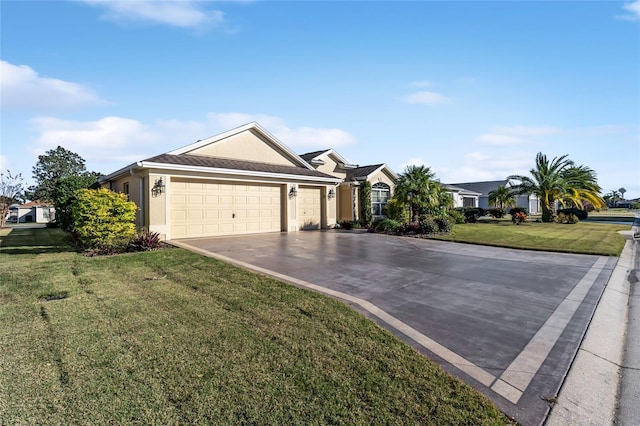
<point x="629" y="395"/>
<point x="589" y="393"/>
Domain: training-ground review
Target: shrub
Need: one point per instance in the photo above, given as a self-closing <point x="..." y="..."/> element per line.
<point x="428" y="225"/>
<point x="471" y="214"/>
<point x="518" y="217"/>
<point x="364" y="194"/>
<point x="346" y="224"/>
<point x="444" y="224"/>
<point x="396" y="210"/>
<point x="497" y="213"/>
<point x="564" y="218"/>
<point x="103" y="219"/>
<point x="146" y="241"/>
<point x="580" y="214"/>
<point x="456" y="216"/>
<point x="407" y="228"/>
<point x="386" y="225"/>
<point x="515" y="210"/>
<point x="63" y="195"/>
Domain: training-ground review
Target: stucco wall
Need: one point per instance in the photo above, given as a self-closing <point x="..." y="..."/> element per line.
<point x="245" y="146"/>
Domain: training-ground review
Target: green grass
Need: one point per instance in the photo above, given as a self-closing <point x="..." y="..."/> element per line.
<point x="170" y="337"/>
<point x="613" y="212"/>
<point x="584" y="237"/>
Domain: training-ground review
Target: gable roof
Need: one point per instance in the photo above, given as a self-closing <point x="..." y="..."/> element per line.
<point x="460" y="189"/>
<point x="209" y="164"/>
<point x="180" y="160"/>
<point x="316" y="158"/>
<point x="253" y="127"/>
<point x="482" y="187"/>
<point x="363" y="172"/>
<point x="310" y="156"/>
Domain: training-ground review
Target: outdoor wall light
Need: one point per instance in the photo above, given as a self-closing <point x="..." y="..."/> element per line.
<point x="331" y="194"/>
<point x="293" y="192"/>
<point x="158" y="187"/>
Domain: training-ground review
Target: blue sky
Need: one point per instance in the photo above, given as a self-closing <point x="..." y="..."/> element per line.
<point x="471" y="89"/>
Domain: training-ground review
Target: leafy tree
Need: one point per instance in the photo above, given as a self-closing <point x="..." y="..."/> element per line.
<point x="610" y="198"/>
<point x="63" y="196"/>
<point x="103" y="219"/>
<point x="417" y="185"/>
<point x="559" y="180"/>
<point x="364" y="194"/>
<point x="502" y="197"/>
<point x="55" y="164"/>
<point x="11" y="188"/>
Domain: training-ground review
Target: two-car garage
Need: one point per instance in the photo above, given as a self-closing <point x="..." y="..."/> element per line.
<point x="202" y="208"/>
<point x="207" y="208"/>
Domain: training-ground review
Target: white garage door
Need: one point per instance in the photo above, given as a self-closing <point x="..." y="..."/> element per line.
<point x="201" y="208"/>
<point x="309" y="208"/>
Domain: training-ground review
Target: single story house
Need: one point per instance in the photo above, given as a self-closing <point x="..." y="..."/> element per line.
<point x="245" y="181"/>
<point x="33" y="211"/>
<point x="462" y="197"/>
<point x="530" y="202"/>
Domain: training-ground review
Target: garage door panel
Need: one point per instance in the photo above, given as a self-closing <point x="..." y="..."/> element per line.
<point x="309" y="208"/>
<point x="203" y="208"/>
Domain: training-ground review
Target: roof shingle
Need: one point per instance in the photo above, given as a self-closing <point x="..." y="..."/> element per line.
<point x="230" y="164"/>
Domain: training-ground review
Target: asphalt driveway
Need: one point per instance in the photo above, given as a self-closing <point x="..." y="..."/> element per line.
<point x="507" y="322"/>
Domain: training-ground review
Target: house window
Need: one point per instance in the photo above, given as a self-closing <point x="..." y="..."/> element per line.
<point x="125" y="189"/>
<point x="380" y="194"/>
<point x="468" y="202"/>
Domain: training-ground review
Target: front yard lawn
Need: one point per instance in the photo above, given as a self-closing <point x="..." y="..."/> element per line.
<point x="170" y="337"/>
<point x="583" y="237"/>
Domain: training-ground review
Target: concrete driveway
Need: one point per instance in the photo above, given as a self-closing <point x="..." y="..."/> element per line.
<point x="507" y="322"/>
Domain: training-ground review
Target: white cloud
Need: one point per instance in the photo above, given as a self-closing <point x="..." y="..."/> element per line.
<point x="109" y="138"/>
<point x="309" y="137"/>
<point x="634" y="11"/>
<point x="476" y="156"/>
<point x="23" y="88"/>
<point x="427" y="98"/>
<point x="112" y="142"/>
<point x="516" y="135"/>
<point x="182" y="14"/>
<point x="498" y="139"/>
<point x="478" y="166"/>
<point x="413" y="162"/>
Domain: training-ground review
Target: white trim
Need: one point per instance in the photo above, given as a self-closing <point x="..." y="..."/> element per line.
<point x="381" y="168"/>
<point x="120" y="172"/>
<point x="180" y="167"/>
<point x="342" y="162"/>
<point x="249" y="126"/>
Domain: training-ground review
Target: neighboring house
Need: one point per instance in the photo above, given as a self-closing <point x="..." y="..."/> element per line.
<point x="381" y="177"/>
<point x="462" y="197"/>
<point x="239" y="182"/>
<point x="33" y="211"/>
<point x="530" y="202"/>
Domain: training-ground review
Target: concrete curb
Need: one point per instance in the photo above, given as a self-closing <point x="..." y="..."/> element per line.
<point x="589" y="393"/>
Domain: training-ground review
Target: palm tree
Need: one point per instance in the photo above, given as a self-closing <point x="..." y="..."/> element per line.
<point x="502" y="197"/>
<point x="418" y="187"/>
<point x="559" y="180"/>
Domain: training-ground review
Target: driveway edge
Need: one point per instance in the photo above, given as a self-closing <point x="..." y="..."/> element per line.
<point x="589" y="393"/>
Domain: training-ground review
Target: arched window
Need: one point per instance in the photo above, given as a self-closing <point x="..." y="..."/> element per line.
<point x="380" y="194"/>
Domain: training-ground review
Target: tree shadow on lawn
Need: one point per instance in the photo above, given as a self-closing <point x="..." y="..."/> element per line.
<point x="36" y="241"/>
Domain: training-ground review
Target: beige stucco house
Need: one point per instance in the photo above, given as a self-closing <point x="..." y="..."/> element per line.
<point x="245" y="181"/>
<point x="238" y="182"/>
